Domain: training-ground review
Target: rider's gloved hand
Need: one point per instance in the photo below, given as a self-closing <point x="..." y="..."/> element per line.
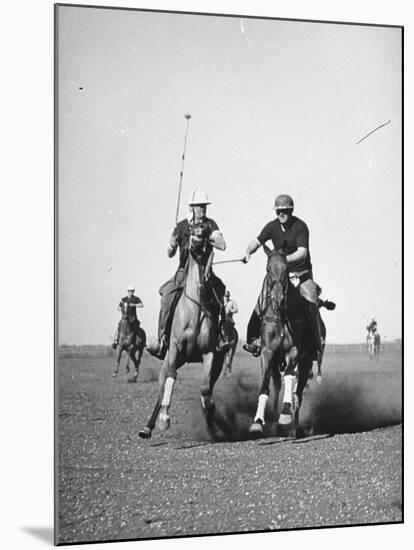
<point x="246" y="258"/>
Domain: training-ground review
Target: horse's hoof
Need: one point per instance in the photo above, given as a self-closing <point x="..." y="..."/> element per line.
<point x="164" y="423"/>
<point x="145" y="433"/>
<point x="114" y="374"/>
<point x="319" y="379"/>
<point x="132" y="379"/>
<point x="256" y="430"/>
<point x="286" y="416"/>
<point x="208" y="405"/>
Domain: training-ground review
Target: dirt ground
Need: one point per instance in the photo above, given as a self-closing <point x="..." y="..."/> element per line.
<point x="114" y="485"/>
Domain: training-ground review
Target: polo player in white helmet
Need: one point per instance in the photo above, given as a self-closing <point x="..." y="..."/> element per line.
<point x="130" y="302"/>
<point x="290" y="231"/>
<point x="171" y="290"/>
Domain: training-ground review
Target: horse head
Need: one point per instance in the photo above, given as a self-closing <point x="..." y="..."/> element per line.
<point x="277" y="271"/>
<point x="199" y="246"/>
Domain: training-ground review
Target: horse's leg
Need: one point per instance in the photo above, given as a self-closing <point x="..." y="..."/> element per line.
<point x="319" y="362"/>
<point x="118" y="361"/>
<point x="226" y="363"/>
<point x="305" y="364"/>
<point x="138" y="358"/>
<point x="232" y="352"/>
<point x="146" y="431"/>
<point x="277" y="383"/>
<point x="212" y="367"/>
<point x="256" y="429"/>
<point x="289" y="378"/>
<point x="132" y="355"/>
<point x="172" y="363"/>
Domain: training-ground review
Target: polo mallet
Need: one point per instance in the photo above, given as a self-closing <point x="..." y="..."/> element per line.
<point x="230" y="261"/>
<point x="187" y="117"/>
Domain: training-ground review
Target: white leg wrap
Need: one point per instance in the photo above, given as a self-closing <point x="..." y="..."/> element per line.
<point x="287" y="397"/>
<point x="168" y="389"/>
<point x="261" y="407"/>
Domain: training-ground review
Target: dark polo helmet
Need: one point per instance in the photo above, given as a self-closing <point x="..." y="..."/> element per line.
<point x="284" y="201"/>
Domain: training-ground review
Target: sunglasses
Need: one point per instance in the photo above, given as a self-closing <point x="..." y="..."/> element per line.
<point x="280" y="211"/>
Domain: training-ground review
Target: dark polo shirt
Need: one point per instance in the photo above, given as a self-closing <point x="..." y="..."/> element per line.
<point x="182" y="232"/>
<point x="296" y="234"/>
<point x="131" y="313"/>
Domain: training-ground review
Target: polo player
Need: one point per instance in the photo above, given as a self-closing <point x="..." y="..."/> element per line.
<point x="291" y="234"/>
<point x="171" y="290"/>
<point x="372" y="326"/>
<point x="230" y="307"/>
<point x="130" y="302"/>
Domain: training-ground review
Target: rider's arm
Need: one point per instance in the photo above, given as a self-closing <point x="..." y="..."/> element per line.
<point x="173" y="245"/>
<point x="251" y="249"/>
<point x="217" y="240"/>
<point x="137" y="304"/>
<point x="299" y="254"/>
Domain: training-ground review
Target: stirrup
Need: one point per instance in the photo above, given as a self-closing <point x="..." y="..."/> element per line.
<point x="254" y="348"/>
<point x="114" y="345"/>
<point x="157" y="349"/>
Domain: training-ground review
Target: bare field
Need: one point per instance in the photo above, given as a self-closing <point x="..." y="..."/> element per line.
<point x="113" y="485"/>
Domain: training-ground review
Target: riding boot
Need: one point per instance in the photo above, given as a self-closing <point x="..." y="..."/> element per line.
<point x="252" y="344"/>
<point x="314" y="321"/>
<point x="223" y="343"/>
<point x="158" y="348"/>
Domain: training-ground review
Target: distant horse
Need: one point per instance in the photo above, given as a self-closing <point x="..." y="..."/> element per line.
<point x="193" y="338"/>
<point x="374" y="344"/>
<point x="286" y="347"/>
<point x="230" y="332"/>
<point x="132" y="340"/>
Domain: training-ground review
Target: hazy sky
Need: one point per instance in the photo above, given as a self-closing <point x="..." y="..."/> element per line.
<point x="277" y="107"/>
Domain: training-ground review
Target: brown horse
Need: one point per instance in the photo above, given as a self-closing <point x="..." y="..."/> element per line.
<point x="232" y="336"/>
<point x="132" y="340"/>
<point x="286" y="347"/>
<point x="193" y="338"/>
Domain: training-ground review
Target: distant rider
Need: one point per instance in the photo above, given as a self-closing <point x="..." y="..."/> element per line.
<point x="372" y="327"/>
<point x="230" y="307"/>
<point x="129" y="304"/>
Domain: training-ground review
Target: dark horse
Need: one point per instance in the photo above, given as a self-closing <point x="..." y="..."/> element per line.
<point x="193" y="337"/>
<point x="286" y="347"/>
<point x="132" y="339"/>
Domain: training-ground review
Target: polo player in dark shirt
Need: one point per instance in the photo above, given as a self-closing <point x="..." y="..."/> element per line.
<point x="292" y="234"/>
<point x="130" y="302"/>
<point x="372" y="327"/>
<point x="180" y="239"/>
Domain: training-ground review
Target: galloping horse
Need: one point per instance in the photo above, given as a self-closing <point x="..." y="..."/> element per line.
<point x="232" y="336"/>
<point x="132" y="339"/>
<point x="374" y="343"/>
<point x="193" y="337"/>
<point x="286" y="342"/>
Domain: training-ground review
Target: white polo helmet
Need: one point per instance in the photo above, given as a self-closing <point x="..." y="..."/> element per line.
<point x="131" y="287"/>
<point x="198" y="197"/>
